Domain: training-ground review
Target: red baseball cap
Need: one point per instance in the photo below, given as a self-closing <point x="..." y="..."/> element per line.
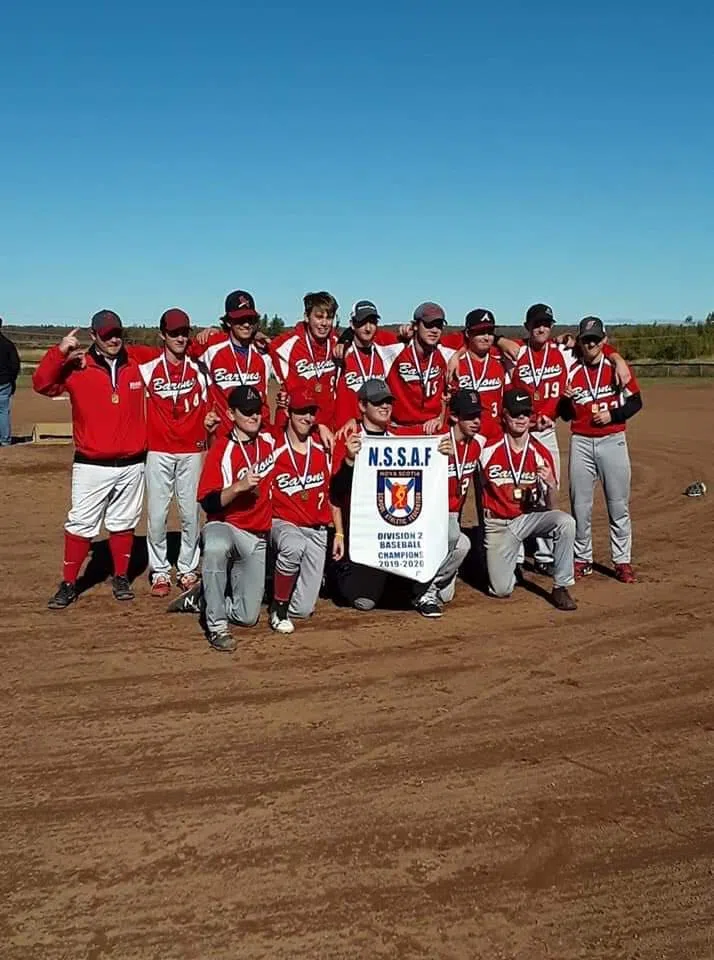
<point x="106" y="323"/>
<point x="303" y="398"/>
<point x="174" y="319"/>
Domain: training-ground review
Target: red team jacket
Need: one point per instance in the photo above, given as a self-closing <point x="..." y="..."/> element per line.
<point x="300" y="489"/>
<point x="229" y="460"/>
<point x="299" y="361"/>
<point x="497" y="479"/>
<point x="596" y="389"/>
<point x="103" y="429"/>
<point x="177" y="402"/>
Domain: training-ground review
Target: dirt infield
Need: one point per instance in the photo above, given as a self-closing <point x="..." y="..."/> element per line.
<point x="508" y="782"/>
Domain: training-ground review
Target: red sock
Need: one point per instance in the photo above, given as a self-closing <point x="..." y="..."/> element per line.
<point x="283" y="584"/>
<point x="120" y="545"/>
<point x="75" y="553"/>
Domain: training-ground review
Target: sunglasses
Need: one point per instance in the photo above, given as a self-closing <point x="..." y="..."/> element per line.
<point x="363" y="321"/>
<point x="387" y="402"/>
<point x="175" y="334"/>
<point x="110" y="334"/>
<point x="244" y="322"/>
<point x="432" y="324"/>
<point x="302" y="411"/>
<point x="590" y="341"/>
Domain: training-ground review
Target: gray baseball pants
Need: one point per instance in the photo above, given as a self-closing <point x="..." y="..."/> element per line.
<point x="549" y="439"/>
<point x="606" y="459"/>
<point x="443" y="586"/>
<point x="233" y="575"/>
<point x="169" y="475"/>
<point x="301" y="551"/>
<point x="503" y="539"/>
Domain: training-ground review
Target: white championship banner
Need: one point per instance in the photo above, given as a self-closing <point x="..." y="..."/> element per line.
<point x="399" y="514"/>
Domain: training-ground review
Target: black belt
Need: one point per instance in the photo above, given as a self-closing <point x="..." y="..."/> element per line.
<point x="110" y="462"/>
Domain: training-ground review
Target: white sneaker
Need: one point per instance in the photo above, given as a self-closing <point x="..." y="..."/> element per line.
<point x="279" y="619"/>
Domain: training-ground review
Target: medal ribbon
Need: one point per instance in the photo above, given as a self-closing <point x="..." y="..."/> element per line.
<point x="241" y="376"/>
<point x="249" y="463"/>
<point x="459" y="466"/>
<point x="423" y="374"/>
<point x="475" y="385"/>
<point x="174" y="391"/>
<point x="328" y="351"/>
<point x="365" y="376"/>
<point x="301" y="479"/>
<point x="516" y="475"/>
<point x="537" y="377"/>
<point x="596" y="389"/>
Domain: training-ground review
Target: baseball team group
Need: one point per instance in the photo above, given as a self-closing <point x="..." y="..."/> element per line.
<point x="189" y="421"/>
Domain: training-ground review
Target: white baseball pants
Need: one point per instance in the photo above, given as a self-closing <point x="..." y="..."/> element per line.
<point x="171" y="475"/>
<point x="114" y="495"/>
<point x="301" y="551"/>
<point x="544" y="545"/>
<point x="503" y="540"/>
<point x="443" y="586"/>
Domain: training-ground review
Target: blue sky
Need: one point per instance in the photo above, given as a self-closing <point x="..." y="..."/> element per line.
<point x="492" y="155"/>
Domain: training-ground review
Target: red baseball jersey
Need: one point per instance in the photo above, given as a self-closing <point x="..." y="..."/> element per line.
<point x="418" y="382"/>
<point x="596" y="391"/>
<point x="177" y="403"/>
<point x="358" y="366"/>
<point x="229" y="460"/>
<point x="506" y="474"/>
<point x="487" y="376"/>
<point x="301" y="484"/>
<point x="300" y="361"/>
<point x="462" y="465"/>
<point x="228" y="367"/>
<point x="544" y="374"/>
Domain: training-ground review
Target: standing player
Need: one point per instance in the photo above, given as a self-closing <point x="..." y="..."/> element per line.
<point x="417" y="374"/>
<point x="234" y="490"/>
<point x="520" y="501"/>
<point x="109" y="426"/>
<point x="478" y="366"/>
<point x="363" y="359"/>
<point x="233" y="359"/>
<point x="177" y="392"/>
<point x="304" y="357"/>
<point x="301" y="514"/>
<point x="9" y="372"/>
<point x="599" y="409"/>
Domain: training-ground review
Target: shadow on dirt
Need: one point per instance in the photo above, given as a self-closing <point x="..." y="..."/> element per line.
<point x="100" y="567"/>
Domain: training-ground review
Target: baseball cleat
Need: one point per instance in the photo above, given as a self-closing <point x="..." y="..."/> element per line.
<point x="187" y="581"/>
<point x="222" y="641"/>
<point x="187" y="602"/>
<point x="428" y="608"/>
<point x="583" y="568"/>
<point x="544" y="569"/>
<point x="562" y="600"/>
<point x="160" y="585"/>
<point x="66" y="594"/>
<point x="121" y="588"/>
<point x="279" y="619"/>
<point x="624" y="573"/>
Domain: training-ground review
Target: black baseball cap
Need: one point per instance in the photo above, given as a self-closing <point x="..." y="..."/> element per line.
<point x="517" y="402"/>
<point x="105" y="322"/>
<point x="591" y="327"/>
<point x="429" y="311"/>
<point x="480" y="319"/>
<point x="245" y="400"/>
<point x="374" y="391"/>
<point x="364" y="310"/>
<point x="539" y="313"/>
<point x="240" y="305"/>
<point x="465" y="404"/>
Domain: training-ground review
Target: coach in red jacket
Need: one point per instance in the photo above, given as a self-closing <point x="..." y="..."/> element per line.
<point x="109" y="425"/>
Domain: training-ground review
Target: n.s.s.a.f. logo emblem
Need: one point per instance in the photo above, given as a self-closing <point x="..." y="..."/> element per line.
<point x="399" y="496"/>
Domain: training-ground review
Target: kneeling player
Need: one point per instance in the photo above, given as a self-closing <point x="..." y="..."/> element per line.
<point x="301" y="514"/>
<point x="234" y="490"/>
<point x="520" y="501"/>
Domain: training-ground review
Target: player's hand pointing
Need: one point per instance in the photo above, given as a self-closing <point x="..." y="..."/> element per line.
<point x="70" y="342"/>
